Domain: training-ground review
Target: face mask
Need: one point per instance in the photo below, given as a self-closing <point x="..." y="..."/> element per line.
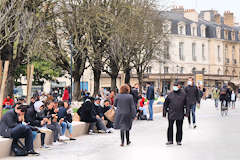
<point x="189" y="83"/>
<point x="175" y="88"/>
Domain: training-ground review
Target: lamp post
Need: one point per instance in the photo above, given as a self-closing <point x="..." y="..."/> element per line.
<point x="71" y="63"/>
<point x="177" y="72"/>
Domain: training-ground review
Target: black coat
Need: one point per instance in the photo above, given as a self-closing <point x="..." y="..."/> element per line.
<point x="192" y="95"/>
<point x="31" y="117"/>
<point x="150" y="93"/>
<point x="174" y="105"/>
<point x="135" y="95"/>
<point x="8" y="122"/>
<point x="87" y="112"/>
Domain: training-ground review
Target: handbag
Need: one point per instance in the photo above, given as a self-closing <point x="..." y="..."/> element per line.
<point x="19" y="149"/>
<point x="110" y="114"/>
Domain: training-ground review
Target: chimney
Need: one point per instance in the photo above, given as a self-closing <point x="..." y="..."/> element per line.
<point x="191" y="14"/>
<point x="218" y="18"/>
<point x="228" y="18"/>
<point x="178" y="9"/>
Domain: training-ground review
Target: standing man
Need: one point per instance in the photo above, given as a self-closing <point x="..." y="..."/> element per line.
<point x="174" y="107"/>
<point x="135" y="94"/>
<point x="150" y="97"/>
<point x="193" y="98"/>
<point x="216" y="94"/>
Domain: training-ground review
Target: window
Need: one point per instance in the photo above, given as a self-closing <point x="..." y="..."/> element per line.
<point x="194" y="29"/>
<point x="167" y="27"/>
<point x="219" y="71"/>
<point x="203" y="71"/>
<point x="218" y="32"/>
<point x="194" y="58"/>
<point x="226" y="72"/>
<point x="166" y="51"/>
<point x="233" y="54"/>
<point x="226" y="51"/>
<point x="181" y="69"/>
<point x="165" y="69"/>
<point x="203" y="52"/>
<point x="181" y="28"/>
<point x="181" y="56"/>
<point x="149" y="69"/>
<point x="193" y="70"/>
<point x="233" y="35"/>
<point x="218" y="52"/>
<point x="203" y="31"/>
<point x="225" y="34"/>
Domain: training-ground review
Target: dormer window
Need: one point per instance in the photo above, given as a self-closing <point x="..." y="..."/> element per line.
<point x="203" y="31"/>
<point x="167" y="27"/>
<point x="225" y="34"/>
<point x="194" y="29"/>
<point x="181" y="28"/>
<point x="218" y="32"/>
<point x="233" y="35"/>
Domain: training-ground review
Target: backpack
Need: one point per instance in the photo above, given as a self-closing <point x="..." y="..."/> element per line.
<point x="19" y="149"/>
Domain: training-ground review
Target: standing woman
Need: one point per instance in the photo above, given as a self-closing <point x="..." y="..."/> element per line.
<point x="125" y="113"/>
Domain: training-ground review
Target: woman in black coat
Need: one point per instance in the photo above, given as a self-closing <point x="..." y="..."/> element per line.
<point x="125" y="113"/>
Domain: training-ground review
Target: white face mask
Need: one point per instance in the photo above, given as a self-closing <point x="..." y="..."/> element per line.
<point x="175" y="88"/>
<point x="189" y="83"/>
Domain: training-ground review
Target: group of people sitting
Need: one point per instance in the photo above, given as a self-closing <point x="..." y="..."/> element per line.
<point x="26" y="121"/>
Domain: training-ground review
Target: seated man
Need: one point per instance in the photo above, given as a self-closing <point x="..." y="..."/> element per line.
<point x="8" y="102"/>
<point x="99" y="117"/>
<point x="11" y="127"/>
<point x="105" y="108"/>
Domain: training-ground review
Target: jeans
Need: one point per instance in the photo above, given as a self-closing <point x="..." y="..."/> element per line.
<point x="66" y="125"/>
<point x="100" y="125"/>
<point x="216" y="103"/>
<point x="22" y="131"/>
<point x="144" y="110"/>
<point x="179" y="130"/>
<point x="7" y="107"/>
<point x="150" y="108"/>
<point x="34" y="133"/>
<point x="192" y="111"/>
<point x="56" y="130"/>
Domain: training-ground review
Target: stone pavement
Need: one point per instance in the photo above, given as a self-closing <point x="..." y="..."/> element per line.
<point x="216" y="138"/>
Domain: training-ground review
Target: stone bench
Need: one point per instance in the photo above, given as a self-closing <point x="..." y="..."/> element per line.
<point x="5" y="145"/>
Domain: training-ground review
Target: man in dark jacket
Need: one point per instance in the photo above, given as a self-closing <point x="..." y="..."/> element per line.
<point x="174" y="107"/>
<point x="150" y="97"/>
<point x="192" y="99"/>
<point x="135" y="94"/>
<point x="11" y="127"/>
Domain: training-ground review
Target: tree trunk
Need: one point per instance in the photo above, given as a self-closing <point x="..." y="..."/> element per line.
<point x="140" y="81"/>
<point x="76" y="93"/>
<point x="114" y="83"/>
<point x="127" y="75"/>
<point x="97" y="76"/>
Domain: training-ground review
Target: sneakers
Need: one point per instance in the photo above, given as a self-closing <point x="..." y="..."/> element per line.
<point x="32" y="152"/>
<point x="169" y="143"/>
<point x="63" y="138"/>
<point x="45" y="146"/>
<point x="129" y="142"/>
<point x="91" y="132"/>
<point x="72" y="139"/>
<point x="56" y="143"/>
<point x="108" y="131"/>
<point x="179" y="143"/>
<point x="194" y="126"/>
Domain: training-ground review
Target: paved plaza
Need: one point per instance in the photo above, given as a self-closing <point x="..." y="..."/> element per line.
<point x="216" y="138"/>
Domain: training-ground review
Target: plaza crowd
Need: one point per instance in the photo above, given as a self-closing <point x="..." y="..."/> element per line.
<point x="48" y="112"/>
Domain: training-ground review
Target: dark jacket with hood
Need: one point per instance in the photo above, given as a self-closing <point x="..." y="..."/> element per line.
<point x="87" y="112"/>
<point x="174" y="105"/>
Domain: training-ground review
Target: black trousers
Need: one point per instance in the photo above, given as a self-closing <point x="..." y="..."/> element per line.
<point x="123" y="133"/>
<point x="22" y="131"/>
<point x="179" y="130"/>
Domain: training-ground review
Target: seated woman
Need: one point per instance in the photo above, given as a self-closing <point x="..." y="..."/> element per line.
<point x="105" y="108"/>
<point x="65" y="118"/>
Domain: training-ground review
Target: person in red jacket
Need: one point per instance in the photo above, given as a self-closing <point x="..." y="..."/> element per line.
<point x="8" y="102"/>
<point x="65" y="95"/>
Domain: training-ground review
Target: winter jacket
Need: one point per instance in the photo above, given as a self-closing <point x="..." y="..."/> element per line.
<point x="65" y="95"/>
<point x="87" y="112"/>
<point x="192" y="94"/>
<point x="150" y="93"/>
<point x="31" y="117"/>
<point x="8" y="122"/>
<point x="174" y="105"/>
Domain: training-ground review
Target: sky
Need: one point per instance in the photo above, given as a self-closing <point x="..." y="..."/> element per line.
<point x="219" y="5"/>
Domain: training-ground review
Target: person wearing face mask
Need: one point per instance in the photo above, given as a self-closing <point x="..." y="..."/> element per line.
<point x="192" y="99"/>
<point x="174" y="107"/>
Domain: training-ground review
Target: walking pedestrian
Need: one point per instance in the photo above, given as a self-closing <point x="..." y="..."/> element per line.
<point x="192" y="99"/>
<point x="125" y="113"/>
<point x="174" y="107"/>
<point x="233" y="99"/>
<point x="150" y="97"/>
<point x="216" y="94"/>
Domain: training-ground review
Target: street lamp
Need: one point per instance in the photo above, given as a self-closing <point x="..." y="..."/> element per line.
<point x="177" y="72"/>
<point x="71" y="53"/>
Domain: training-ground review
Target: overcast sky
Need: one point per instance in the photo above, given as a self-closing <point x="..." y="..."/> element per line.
<point x="220" y="5"/>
